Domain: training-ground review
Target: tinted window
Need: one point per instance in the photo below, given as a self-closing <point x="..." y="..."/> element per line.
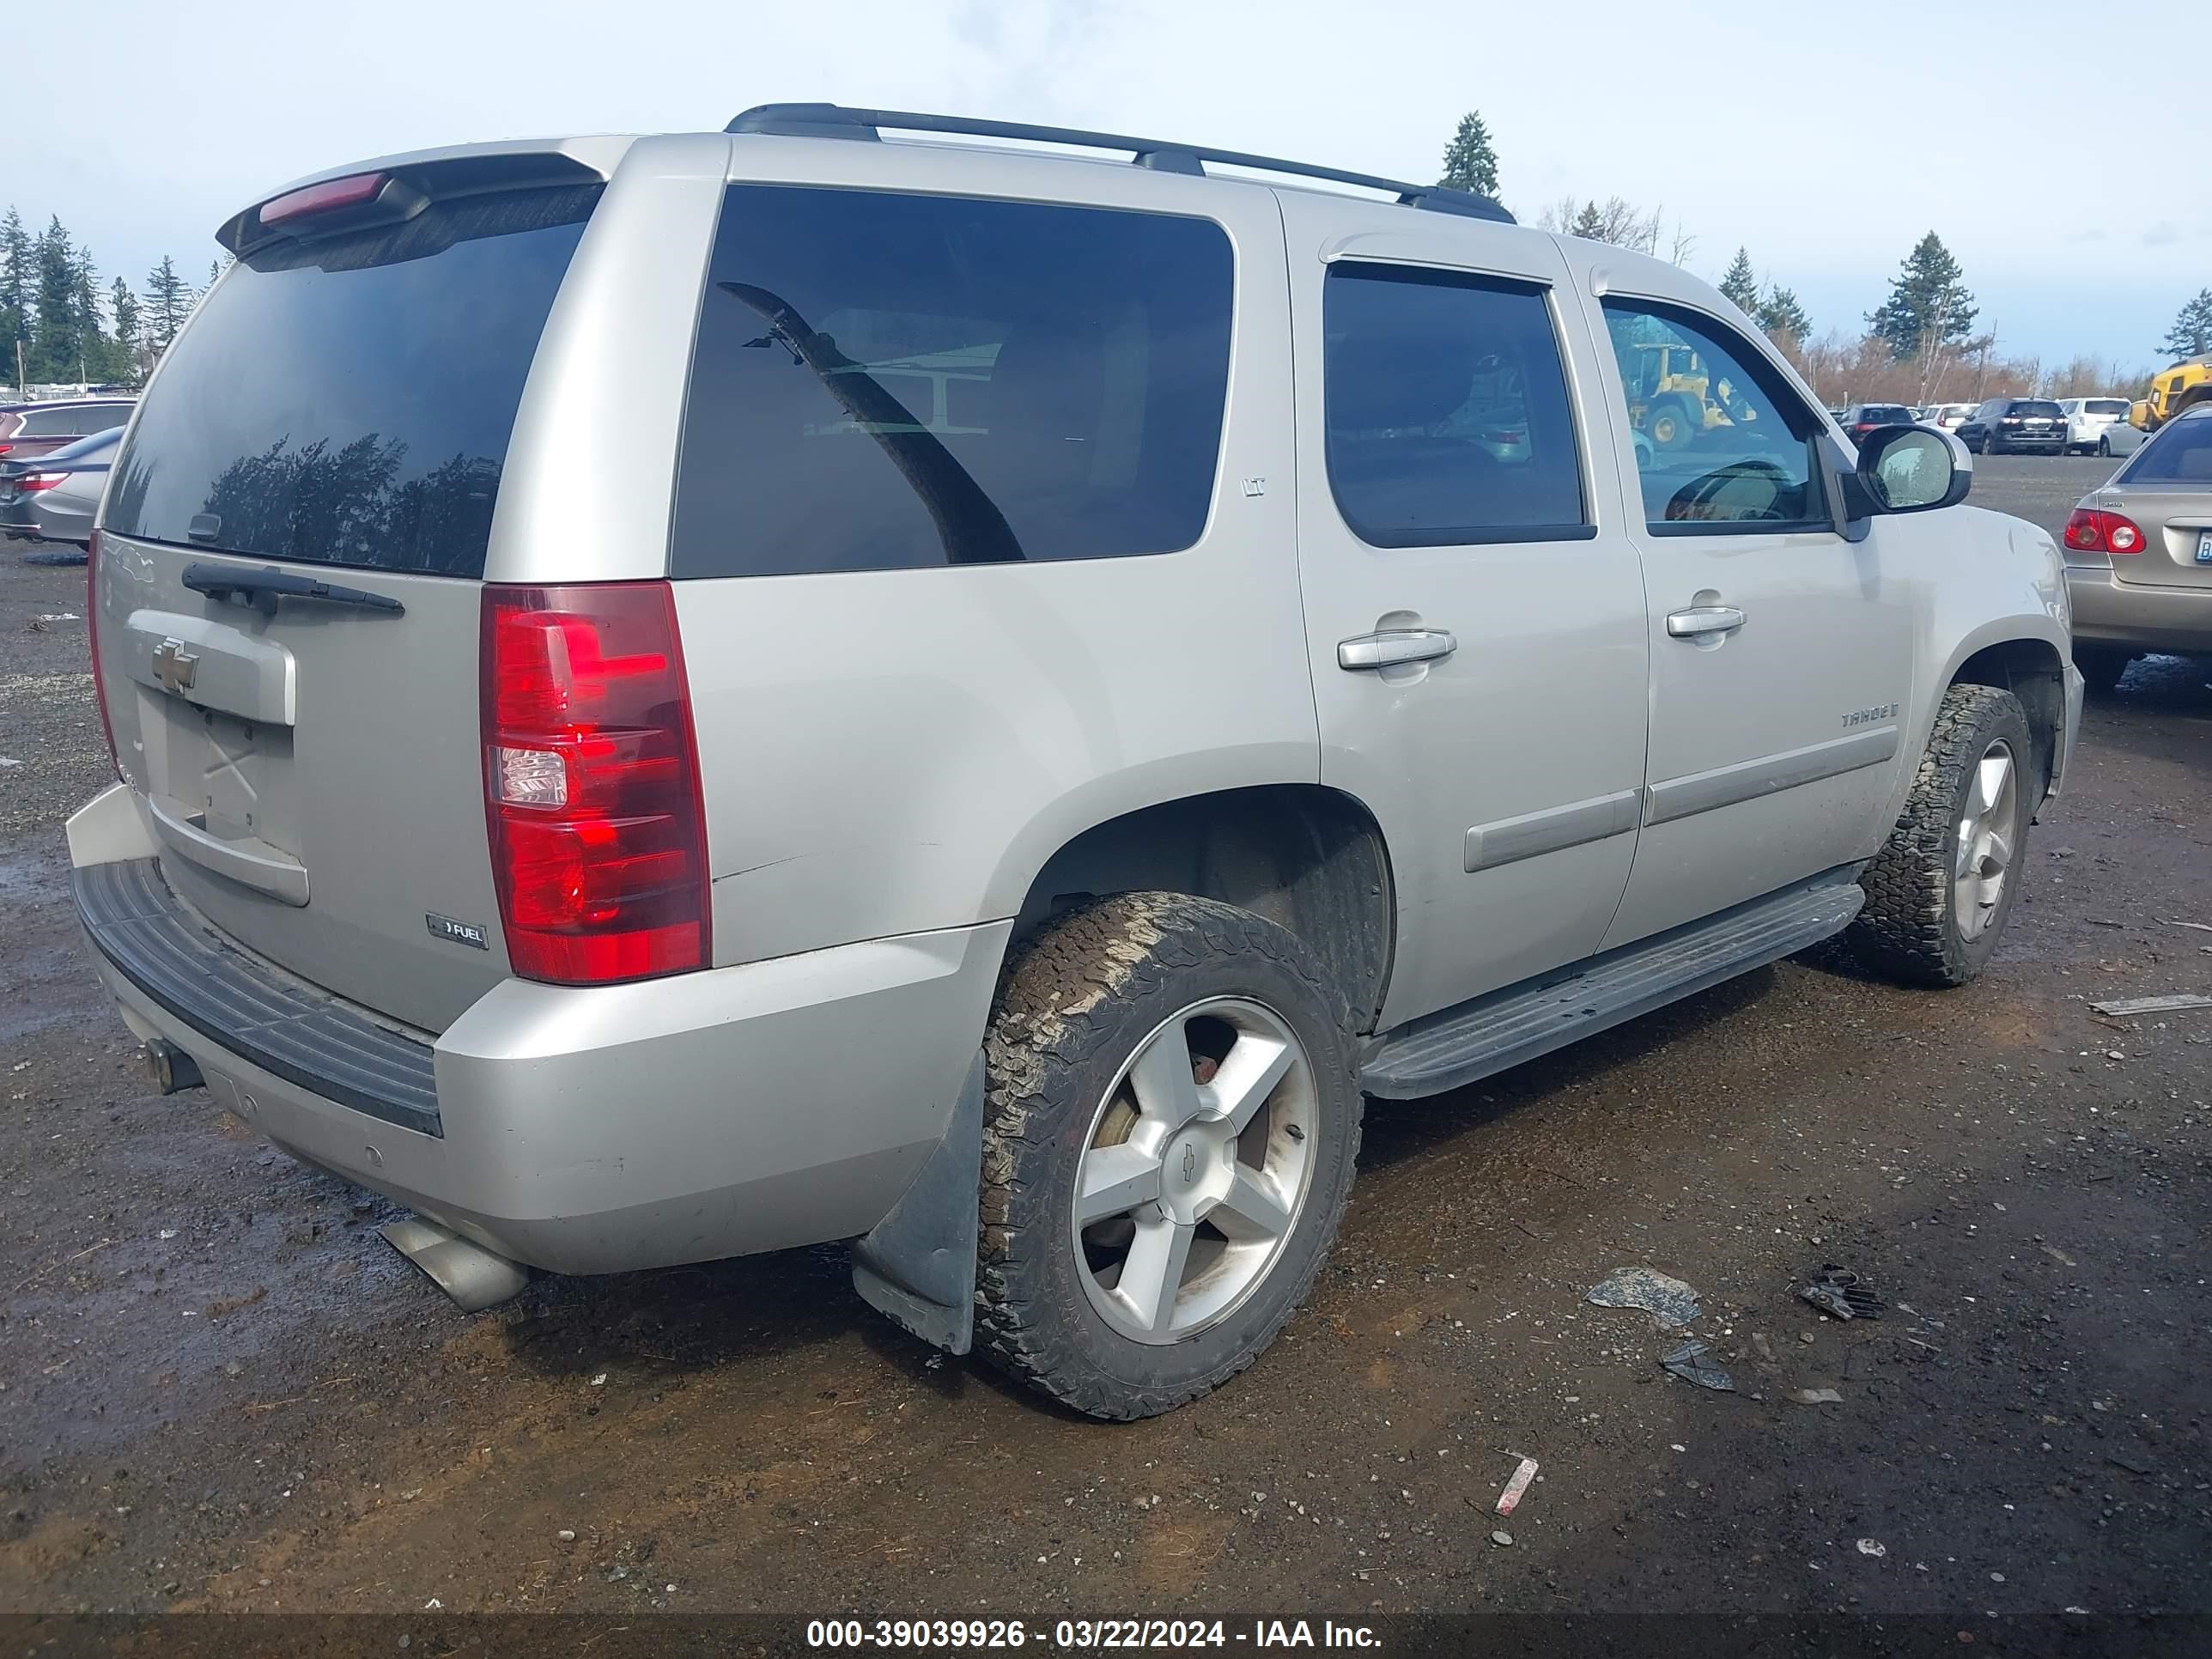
<point x="349" y="400"/>
<point x="2104" y="406"/>
<point x="2181" y="453"/>
<point x="1447" y="406"/>
<point x="887" y="381"/>
<point x="2033" y="408"/>
<point x="1726" y="444"/>
<point x="67" y="422"/>
<point x="1886" y="414"/>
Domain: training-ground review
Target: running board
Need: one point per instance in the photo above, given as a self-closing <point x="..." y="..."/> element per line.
<point x="1457" y="1046"/>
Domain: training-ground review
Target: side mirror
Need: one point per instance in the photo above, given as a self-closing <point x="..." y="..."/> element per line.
<point x="1909" y="469"/>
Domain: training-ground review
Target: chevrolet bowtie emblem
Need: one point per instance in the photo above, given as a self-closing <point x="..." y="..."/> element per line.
<point x="174" y="667"/>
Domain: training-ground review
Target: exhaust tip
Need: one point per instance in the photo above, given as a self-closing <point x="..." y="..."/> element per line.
<point x="472" y="1276"/>
<point x="170" y="1067"/>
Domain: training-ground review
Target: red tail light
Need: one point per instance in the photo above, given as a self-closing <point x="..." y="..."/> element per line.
<point x="39" y="481"/>
<point x="92" y="640"/>
<point x="597" y="832"/>
<point x="2093" y="530"/>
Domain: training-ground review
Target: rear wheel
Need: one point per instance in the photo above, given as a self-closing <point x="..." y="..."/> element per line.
<point x="1941" y="889"/>
<point x="1170" y="1132"/>
<point x="1989" y="444"/>
<point x="1668" y="425"/>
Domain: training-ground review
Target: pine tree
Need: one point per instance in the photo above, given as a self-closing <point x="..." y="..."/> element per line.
<point x="125" y="304"/>
<point x="1782" y="317"/>
<point x="1740" y="286"/>
<point x="2190" y="336"/>
<point x="1588" y="224"/>
<point x="1928" y="306"/>
<point x="1470" y="162"/>
<point x="18" y="260"/>
<point x="53" y="350"/>
<point x="168" y="302"/>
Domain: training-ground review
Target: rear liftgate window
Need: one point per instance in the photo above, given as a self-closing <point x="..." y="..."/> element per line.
<point x="348" y="400"/>
<point x="886" y="381"/>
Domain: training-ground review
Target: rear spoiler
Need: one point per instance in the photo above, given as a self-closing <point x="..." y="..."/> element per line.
<point x="397" y="187"/>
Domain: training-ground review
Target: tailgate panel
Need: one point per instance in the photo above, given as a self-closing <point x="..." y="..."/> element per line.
<point x="314" y="775"/>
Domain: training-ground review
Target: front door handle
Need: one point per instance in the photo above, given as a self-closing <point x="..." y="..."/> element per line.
<point x="1391" y="647"/>
<point x="1702" y="620"/>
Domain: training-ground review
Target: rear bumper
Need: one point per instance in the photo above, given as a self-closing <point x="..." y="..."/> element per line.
<point x="707" y="1114"/>
<point x="2109" y="612"/>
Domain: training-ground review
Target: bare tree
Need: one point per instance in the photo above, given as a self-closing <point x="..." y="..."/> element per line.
<point x="1615" y="219"/>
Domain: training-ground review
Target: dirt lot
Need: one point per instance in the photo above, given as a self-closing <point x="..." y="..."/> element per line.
<point x="223" y="1391"/>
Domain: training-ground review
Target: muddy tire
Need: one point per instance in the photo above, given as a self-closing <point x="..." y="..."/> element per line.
<point x="1164" y="1074"/>
<point x="2102" y="665"/>
<point x="1939" y="891"/>
<point x="1668" y="425"/>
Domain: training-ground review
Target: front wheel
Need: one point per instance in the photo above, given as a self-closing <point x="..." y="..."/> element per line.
<point x="2104" y="447"/>
<point x="1171" y="1126"/>
<point x="1939" y="891"/>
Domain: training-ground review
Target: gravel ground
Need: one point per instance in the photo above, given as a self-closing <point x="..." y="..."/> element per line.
<point x="222" y="1391"/>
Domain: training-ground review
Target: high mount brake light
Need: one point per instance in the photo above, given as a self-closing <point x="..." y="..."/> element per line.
<point x="592" y="776"/>
<point x="331" y="193"/>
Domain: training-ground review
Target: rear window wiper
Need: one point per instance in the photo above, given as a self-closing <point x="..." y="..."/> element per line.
<point x="263" y="588"/>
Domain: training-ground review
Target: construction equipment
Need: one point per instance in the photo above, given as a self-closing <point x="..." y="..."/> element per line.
<point x="2173" y="392"/>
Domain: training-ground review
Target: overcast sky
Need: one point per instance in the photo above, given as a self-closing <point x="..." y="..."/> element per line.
<point x="2039" y="139"/>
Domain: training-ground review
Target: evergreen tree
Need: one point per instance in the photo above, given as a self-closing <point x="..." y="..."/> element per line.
<point x="168" y="302"/>
<point x="1588" y="224"/>
<point x="2190" y="336"/>
<point x="1782" y="317"/>
<point x="123" y="304"/>
<point x="1470" y="162"/>
<point x="1928" y="306"/>
<point x="1740" y="286"/>
<point x="53" y="351"/>
<point x="18" y="262"/>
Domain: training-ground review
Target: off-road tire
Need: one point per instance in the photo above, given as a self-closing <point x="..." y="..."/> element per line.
<point x="1071" y="1010"/>
<point x="1909" y="932"/>
<point x="2102" y="665"/>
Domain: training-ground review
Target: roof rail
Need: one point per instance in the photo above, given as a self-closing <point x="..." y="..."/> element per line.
<point x="835" y="121"/>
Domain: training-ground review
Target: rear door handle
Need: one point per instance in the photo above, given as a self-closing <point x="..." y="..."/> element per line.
<point x="1701" y="620"/>
<point x="1392" y="646"/>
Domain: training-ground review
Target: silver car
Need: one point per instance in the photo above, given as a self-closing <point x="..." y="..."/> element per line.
<point x="54" y="498"/>
<point x="2139" y="554"/>
<point x="1085" y="673"/>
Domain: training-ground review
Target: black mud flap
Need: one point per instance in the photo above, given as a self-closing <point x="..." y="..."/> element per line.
<point x="917" y="1266"/>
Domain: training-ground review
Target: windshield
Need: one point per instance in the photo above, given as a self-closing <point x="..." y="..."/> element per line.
<point x="349" y="400"/>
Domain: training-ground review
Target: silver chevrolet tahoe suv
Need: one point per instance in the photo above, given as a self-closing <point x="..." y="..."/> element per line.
<point x="685" y="695"/>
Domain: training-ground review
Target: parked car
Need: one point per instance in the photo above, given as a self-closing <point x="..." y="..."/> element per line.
<point x="2010" y="425"/>
<point x="2087" y="420"/>
<point x="53" y="498"/>
<point x="2139" y="554"/>
<point x="868" y="831"/>
<point x="1945" y="416"/>
<point x="2119" y="439"/>
<point x="30" y="430"/>
<point x="1859" y="419"/>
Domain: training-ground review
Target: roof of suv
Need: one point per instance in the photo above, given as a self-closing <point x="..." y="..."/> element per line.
<point x="598" y="155"/>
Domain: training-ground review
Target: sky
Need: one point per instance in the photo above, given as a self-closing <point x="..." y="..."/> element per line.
<point x="1825" y="139"/>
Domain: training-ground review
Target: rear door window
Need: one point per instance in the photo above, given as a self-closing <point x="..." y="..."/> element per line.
<point x="1447" y="408"/>
<point x="348" y="400"/>
<point x="884" y="381"/>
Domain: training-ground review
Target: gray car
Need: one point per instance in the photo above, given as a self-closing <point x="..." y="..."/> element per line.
<point x="54" y="498"/>
<point x="1086" y="672"/>
<point x="2139" y="554"/>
